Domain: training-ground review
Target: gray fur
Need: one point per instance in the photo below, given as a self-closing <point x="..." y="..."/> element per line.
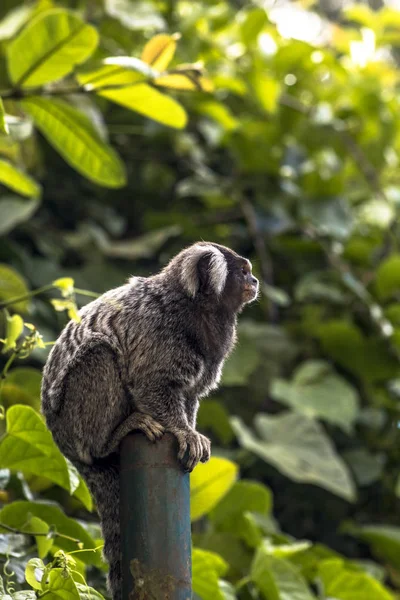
<point x="141" y="358"/>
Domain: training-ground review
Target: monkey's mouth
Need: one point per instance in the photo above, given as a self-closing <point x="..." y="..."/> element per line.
<point x="250" y="292"/>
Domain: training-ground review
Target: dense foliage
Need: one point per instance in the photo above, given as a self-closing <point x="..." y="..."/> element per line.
<point x="117" y="149"/>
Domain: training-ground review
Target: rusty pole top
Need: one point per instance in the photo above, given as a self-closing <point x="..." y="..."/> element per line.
<point x="155" y="521"/>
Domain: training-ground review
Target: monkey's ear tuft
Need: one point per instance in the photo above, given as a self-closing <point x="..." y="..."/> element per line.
<point x="204" y="265"/>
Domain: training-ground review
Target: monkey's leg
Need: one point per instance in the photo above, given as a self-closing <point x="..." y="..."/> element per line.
<point x="102" y="478"/>
<point x="167" y="406"/>
<point x="135" y="422"/>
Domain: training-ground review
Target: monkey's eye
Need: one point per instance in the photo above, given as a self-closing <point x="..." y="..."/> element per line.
<point x="245" y="270"/>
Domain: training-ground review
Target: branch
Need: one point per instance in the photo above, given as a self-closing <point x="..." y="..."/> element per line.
<point x="40" y="533"/>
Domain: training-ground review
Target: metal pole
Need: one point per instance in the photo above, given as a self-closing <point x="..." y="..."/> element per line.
<point x="155" y="521"/>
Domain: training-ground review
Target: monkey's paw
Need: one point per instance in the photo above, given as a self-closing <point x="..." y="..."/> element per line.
<point x="193" y="447"/>
<point x="149" y="426"/>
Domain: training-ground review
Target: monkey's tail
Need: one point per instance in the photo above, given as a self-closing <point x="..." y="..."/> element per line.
<point x="102" y="478"/>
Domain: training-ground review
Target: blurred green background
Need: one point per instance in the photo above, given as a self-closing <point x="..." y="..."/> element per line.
<point x="130" y="129"/>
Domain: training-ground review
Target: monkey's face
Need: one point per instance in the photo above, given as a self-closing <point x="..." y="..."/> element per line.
<point x="241" y="286"/>
<point x="249" y="283"/>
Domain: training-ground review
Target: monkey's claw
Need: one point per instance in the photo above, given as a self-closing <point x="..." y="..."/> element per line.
<point x="149" y="426"/>
<point x="193" y="447"/>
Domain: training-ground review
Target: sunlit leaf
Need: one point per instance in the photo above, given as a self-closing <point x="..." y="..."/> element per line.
<point x="43" y="542"/>
<point x="127" y="88"/>
<point x="12" y="285"/>
<point x="61" y="585"/>
<point x="75" y="138"/>
<point x="159" y="51"/>
<point x="345" y="581"/>
<point x="207" y="567"/>
<point x="49" y="47"/>
<point x="14" y="515"/>
<point x="277" y="578"/>
<point x="14" y="329"/>
<point x="17" y="180"/>
<point x="209" y="482"/>
<point x="3" y="125"/>
<point x="29" y="447"/>
<point x="34" y="571"/>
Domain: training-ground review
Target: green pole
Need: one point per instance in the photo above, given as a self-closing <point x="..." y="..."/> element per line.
<point x="155" y="521"/>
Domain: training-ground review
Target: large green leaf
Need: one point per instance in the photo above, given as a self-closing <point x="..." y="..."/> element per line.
<point x="387" y="280"/>
<point x="3" y="126"/>
<point x="318" y="392"/>
<point x="75" y="138"/>
<point x="49" y="47"/>
<point x="299" y="448"/>
<point x="15" y="515"/>
<point x="15" y="210"/>
<point x="384" y="541"/>
<point x="209" y="482"/>
<point x="277" y="578"/>
<point x="207" y="568"/>
<point x="61" y="586"/>
<point x="17" y="180"/>
<point x="12" y="286"/>
<point x="28" y="446"/>
<point x="22" y="386"/>
<point x="127" y="88"/>
<point x="234" y="512"/>
<point x="367" y="357"/>
<point x="344" y="581"/>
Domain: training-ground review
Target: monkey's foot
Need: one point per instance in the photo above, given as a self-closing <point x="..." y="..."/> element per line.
<point x="193" y="447"/>
<point x="149" y="426"/>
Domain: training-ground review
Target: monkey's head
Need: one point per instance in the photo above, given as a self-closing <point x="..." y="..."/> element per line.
<point x="211" y="273"/>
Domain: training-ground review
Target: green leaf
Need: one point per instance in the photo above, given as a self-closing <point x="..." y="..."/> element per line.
<point x="75" y="138"/>
<point x="13" y="286"/>
<point x="65" y="285"/>
<point x="277" y="578"/>
<point x="207" y="567"/>
<point x="15" y="210"/>
<point x="267" y="91"/>
<point x="254" y="22"/>
<point x="214" y="417"/>
<point x="34" y="571"/>
<point x="209" y="483"/>
<point x="128" y="89"/>
<point x="15" y="515"/>
<point x="49" y="47"/>
<point x="318" y="392"/>
<point x="367" y="467"/>
<point x="14" y="329"/>
<point x="3" y="125"/>
<point x="234" y="513"/>
<point x="159" y="51"/>
<point x="299" y="448"/>
<point x="387" y="280"/>
<point x="88" y="593"/>
<point x="384" y="541"/>
<point x="61" y="585"/>
<point x="344" y="581"/>
<point x="367" y="357"/>
<point x="243" y="496"/>
<point x="28" y="446"/>
<point x="17" y="180"/>
<point x="44" y="543"/>
<point x="22" y="386"/>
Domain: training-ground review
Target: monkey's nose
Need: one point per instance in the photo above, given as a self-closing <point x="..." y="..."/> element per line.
<point x="254" y="280"/>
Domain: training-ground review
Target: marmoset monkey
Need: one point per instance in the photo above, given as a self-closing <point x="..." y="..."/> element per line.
<point x="140" y="358"/>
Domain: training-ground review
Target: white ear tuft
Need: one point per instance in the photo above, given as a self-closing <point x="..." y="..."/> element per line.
<point x="217" y="270"/>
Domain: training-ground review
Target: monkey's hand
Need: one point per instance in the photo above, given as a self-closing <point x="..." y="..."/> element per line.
<point x="193" y="447"/>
